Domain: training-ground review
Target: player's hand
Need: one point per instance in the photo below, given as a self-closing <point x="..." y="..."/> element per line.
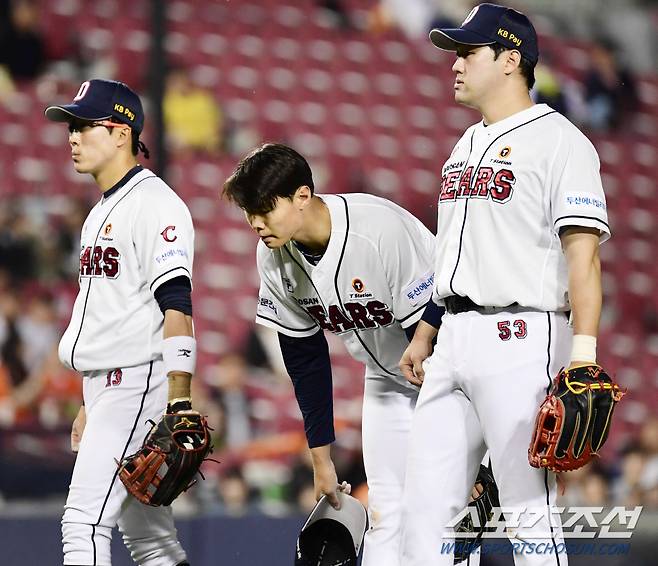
<point x="326" y="483"/>
<point x="78" y="428"/>
<point x="478" y="489"/>
<point x="325" y="480"/>
<point x="411" y="363"/>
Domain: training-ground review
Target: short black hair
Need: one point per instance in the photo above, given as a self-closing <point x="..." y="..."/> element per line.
<point x="271" y="171"/>
<point x="527" y="67"/>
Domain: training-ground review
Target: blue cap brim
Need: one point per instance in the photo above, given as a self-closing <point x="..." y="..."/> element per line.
<point x="70" y="111"/>
<point x="448" y="39"/>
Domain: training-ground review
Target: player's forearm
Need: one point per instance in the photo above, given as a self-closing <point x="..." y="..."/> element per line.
<point x="177" y="324"/>
<point x="586" y="299"/>
<point x="425" y="331"/>
<point x="581" y="248"/>
<point x="321" y="455"/>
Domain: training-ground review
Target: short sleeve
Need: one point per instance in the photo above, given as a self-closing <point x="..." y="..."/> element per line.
<point x="407" y="252"/>
<point x="577" y="197"/>
<point x="163" y="236"/>
<point x="276" y="308"/>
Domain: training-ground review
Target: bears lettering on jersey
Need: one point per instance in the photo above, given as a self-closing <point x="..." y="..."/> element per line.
<point x="97" y="261"/>
<point x="485" y="183"/>
<point x="356" y="315"/>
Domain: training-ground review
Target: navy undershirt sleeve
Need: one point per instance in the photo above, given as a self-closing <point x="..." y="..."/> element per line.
<point x="308" y="364"/>
<point x="432" y="314"/>
<point x="175" y="294"/>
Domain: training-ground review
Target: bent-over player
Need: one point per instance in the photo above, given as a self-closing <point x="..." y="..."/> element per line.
<point x="130" y="334"/>
<point x="358" y="266"/>
<point x="521" y="214"/>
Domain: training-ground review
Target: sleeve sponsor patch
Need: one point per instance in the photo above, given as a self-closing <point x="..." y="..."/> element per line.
<point x="420" y="290"/>
<point x="169" y="255"/>
<point x="584" y="201"/>
<point x="267" y="307"/>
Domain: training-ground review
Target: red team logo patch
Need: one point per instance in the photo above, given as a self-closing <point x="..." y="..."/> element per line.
<point x="505" y="151"/>
<point x="358" y="285"/>
<point x="107" y="229"/>
<point x="165" y="234"/>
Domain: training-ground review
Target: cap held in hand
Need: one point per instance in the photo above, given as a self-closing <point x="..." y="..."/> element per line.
<point x="332" y="536"/>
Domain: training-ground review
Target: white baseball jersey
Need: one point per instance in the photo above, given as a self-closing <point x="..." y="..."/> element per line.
<point x="366" y="288"/>
<point x="132" y="242"/>
<point x="507" y="189"/>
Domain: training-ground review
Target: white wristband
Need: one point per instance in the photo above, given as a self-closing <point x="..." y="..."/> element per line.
<point x="179" y="354"/>
<point x="583" y="348"/>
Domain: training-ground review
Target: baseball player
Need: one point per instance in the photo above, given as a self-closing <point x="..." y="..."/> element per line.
<point x="358" y="266"/>
<point x="130" y="334"/>
<point x="521" y="213"/>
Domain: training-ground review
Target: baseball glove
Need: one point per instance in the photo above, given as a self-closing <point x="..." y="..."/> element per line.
<point x="484" y="505"/>
<point x="168" y="460"/>
<point x="574" y="419"/>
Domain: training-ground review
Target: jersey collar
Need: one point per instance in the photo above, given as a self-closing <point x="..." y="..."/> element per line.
<point x="517" y="119"/>
<point x="136" y="169"/>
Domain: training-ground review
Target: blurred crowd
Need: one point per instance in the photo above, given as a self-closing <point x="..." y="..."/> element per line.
<point x="264" y="465"/>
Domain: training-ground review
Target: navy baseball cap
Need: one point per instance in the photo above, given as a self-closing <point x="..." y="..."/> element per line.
<point x="488" y="24"/>
<point x="100" y="99"/>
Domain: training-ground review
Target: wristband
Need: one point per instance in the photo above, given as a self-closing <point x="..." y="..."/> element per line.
<point x="583" y="348"/>
<point x="179" y="354"/>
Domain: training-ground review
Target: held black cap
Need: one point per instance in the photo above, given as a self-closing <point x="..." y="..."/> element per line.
<point x="100" y="99"/>
<point x="330" y="537"/>
<point x="488" y="24"/>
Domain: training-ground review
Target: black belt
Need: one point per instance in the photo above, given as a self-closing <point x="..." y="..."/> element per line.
<point x="456" y="304"/>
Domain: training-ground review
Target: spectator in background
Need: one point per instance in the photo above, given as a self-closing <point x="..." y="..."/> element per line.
<point x="18" y="244"/>
<point x="34" y="386"/>
<point x="22" y="48"/>
<point x="340" y="17"/>
<point x="585" y="486"/>
<point x="193" y="118"/>
<point x="37" y="326"/>
<point x="58" y="392"/>
<point x="649" y="484"/>
<point x="610" y="90"/>
<point x="595" y="490"/>
<point x="235" y="494"/>
<point x="228" y="389"/>
<point x="649" y="479"/>
<point x="627" y="489"/>
<point x="12" y="369"/>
